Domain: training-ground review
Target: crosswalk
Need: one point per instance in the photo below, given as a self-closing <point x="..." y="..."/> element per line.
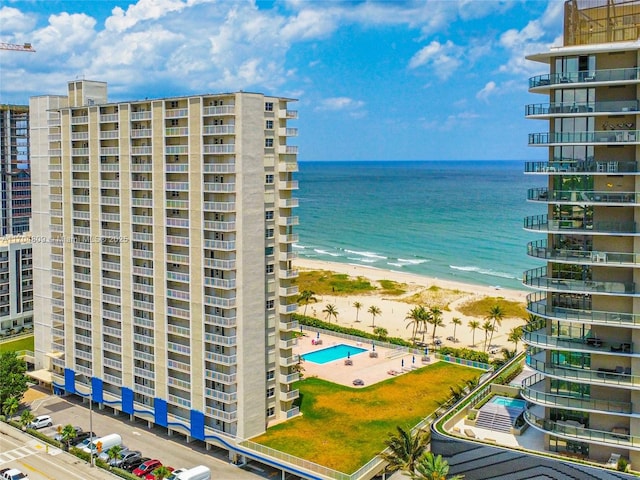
<point x="31" y="448"/>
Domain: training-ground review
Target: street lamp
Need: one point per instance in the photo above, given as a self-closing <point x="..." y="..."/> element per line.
<point x="91" y="460"/>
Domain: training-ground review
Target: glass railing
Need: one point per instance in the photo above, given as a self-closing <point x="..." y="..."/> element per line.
<point x="540" y="338"/>
<point x="538" y="278"/>
<point x="582" y="196"/>
<point x="531" y="390"/>
<point x="599" y="136"/>
<point x="582" y="107"/>
<point x="539" y="249"/>
<point x="610" y="75"/>
<point x="580" y="166"/>
<point x="618" y="376"/>
<point x="542" y="223"/>
<point x="578" y="432"/>
<point x="537" y="304"/>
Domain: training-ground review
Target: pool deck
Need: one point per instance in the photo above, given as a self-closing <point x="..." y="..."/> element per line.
<point x="364" y="367"/>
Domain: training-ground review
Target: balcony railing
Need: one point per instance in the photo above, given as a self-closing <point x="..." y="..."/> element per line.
<point x="609" y="75"/>
<point x="561" y="166"/>
<point x="541" y="223"/>
<point x="582" y="197"/>
<point x="616" y="377"/>
<point x="539" y="249"/>
<point x="599" y="136"/>
<point x="614" y="106"/>
<point x="532" y="391"/>
<point x="538" y="278"/>
<point x="577" y="432"/>
<point x="537" y="304"/>
<point x="540" y="338"/>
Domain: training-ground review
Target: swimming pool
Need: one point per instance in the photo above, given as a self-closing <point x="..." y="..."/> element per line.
<point x="330" y="354"/>
<point x="509" y="402"/>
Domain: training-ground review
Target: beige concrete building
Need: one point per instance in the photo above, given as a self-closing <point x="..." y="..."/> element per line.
<point x="163" y="234"/>
<point x="584" y="341"/>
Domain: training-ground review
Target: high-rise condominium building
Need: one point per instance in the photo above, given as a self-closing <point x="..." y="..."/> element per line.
<point x="584" y="341"/>
<point x="15" y="204"/>
<point x="162" y="256"/>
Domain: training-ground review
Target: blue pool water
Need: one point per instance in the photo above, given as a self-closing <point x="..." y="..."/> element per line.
<point x="330" y="354"/>
<point x="509" y="402"/>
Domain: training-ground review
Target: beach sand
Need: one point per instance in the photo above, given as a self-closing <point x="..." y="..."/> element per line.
<point x="394" y="311"/>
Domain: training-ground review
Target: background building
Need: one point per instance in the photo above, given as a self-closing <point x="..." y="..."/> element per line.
<point x="15" y="182"/>
<point x="584" y="340"/>
<point x="165" y="283"/>
<point x="16" y="284"/>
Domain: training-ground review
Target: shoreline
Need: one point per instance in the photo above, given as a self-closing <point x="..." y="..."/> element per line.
<point x="394" y="310"/>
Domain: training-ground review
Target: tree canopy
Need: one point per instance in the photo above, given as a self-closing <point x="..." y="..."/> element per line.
<point x="13" y="381"/>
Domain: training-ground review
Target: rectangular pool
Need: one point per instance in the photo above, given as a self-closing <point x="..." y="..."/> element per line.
<point x="329" y="354"/>
<point x="509" y="402"/>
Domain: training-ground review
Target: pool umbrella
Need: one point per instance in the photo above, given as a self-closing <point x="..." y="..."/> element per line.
<point x="318" y="335"/>
<point x="348" y="354"/>
<point x="414" y="359"/>
<point x="373" y="345"/>
<point x="426" y="351"/>
<point x="403" y="362"/>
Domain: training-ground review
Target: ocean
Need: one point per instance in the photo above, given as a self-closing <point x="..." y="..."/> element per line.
<point x="453" y="220"/>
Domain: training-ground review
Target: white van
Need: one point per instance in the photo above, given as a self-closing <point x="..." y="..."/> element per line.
<point x="105" y="442"/>
<point x="196" y="473"/>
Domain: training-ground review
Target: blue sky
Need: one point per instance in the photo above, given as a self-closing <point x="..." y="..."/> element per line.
<point x="375" y="80"/>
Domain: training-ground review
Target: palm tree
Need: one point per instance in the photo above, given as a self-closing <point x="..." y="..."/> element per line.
<point x="487" y="326"/>
<point x="436" y="320"/>
<point x="515" y="335"/>
<point x="456" y="321"/>
<point x="430" y="467"/>
<point x="415" y="315"/>
<point x="381" y="332"/>
<point x="473" y="325"/>
<point x="10" y="407"/>
<point x="496" y="314"/>
<point x="427" y="319"/>
<point x="161" y="473"/>
<point x="68" y="433"/>
<point x="305" y="297"/>
<point x="357" y="306"/>
<point x="374" y="311"/>
<point x="404" y="449"/>
<point x="26" y="418"/>
<point x="331" y="311"/>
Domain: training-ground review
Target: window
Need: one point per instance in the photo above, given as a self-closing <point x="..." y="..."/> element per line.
<point x="269" y="125"/>
<point x="268" y="215"/>
<point x="269" y="268"/>
<point x="268" y="251"/>
<point x="268" y="106"/>
<point x="271" y="411"/>
<point x="268" y="142"/>
<point x="271" y="392"/>
<point x="270" y="304"/>
<point x="271" y="374"/>
<point x="268" y="233"/>
<point x="268" y="178"/>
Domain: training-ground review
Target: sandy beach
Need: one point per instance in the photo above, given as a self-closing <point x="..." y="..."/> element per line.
<point x="394" y="310"/>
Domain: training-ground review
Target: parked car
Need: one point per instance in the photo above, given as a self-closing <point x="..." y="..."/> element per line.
<point x="12" y="474"/>
<point x="82" y="438"/>
<point x="104" y="456"/>
<point x="147" y="467"/>
<point x="125" y="456"/>
<point x="58" y="436"/>
<point x="201" y="472"/>
<point x="151" y="476"/>
<point x="41" y="421"/>
<point x="133" y="463"/>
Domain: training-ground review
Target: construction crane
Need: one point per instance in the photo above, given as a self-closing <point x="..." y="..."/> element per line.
<point x="25" y="47"/>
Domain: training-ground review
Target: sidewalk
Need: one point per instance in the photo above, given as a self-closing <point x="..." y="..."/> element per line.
<point x="70" y="461"/>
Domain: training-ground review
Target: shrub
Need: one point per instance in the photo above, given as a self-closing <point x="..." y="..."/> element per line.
<point x="466" y="354"/>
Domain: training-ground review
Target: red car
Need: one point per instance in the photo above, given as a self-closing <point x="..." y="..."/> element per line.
<point x="146" y="468"/>
<point x="151" y="476"/>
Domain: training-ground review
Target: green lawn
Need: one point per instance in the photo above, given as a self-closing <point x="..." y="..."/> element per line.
<point x="343" y="428"/>
<point x="23" y="343"/>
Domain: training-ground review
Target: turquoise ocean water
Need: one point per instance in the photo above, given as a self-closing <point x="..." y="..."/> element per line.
<point x="454" y="220"/>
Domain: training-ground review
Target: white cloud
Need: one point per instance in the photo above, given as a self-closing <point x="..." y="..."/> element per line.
<point x="444" y="59"/>
<point x="14" y="22"/>
<point x="121" y="20"/>
<point x="340" y="103"/>
<point x="486" y="91"/>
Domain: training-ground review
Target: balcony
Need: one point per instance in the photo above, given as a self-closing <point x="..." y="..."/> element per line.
<point x="622" y="75"/>
<point x="541" y="223"/>
<point x="544" y="110"/>
<point x="615" y="377"/>
<point x="219" y="110"/>
<point x="218" y="129"/>
<point x="599" y="137"/>
<point x="213" y="149"/>
<point x="219" y="168"/>
<point x="224" y="284"/>
<point x="583" y="197"/>
<point x="532" y="391"/>
<point x="540" y="338"/>
<point x="226" y="378"/>
<point x="217" y="187"/>
<point x="562" y="166"/>
<point x="537" y="278"/>
<point x="580" y="433"/>
<point x="537" y="304"/>
<point x="539" y="249"/>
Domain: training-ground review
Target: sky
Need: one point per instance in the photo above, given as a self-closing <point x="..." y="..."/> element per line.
<point x="374" y="80"/>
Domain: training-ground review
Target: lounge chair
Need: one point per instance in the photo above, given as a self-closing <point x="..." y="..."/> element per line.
<point x="613" y="460"/>
<point x="469" y="433"/>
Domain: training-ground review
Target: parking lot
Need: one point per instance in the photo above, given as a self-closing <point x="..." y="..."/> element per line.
<point x="136" y="435"/>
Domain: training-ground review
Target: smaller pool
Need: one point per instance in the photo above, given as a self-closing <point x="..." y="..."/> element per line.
<point x="329" y="354"/>
<point x="509" y="402"/>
